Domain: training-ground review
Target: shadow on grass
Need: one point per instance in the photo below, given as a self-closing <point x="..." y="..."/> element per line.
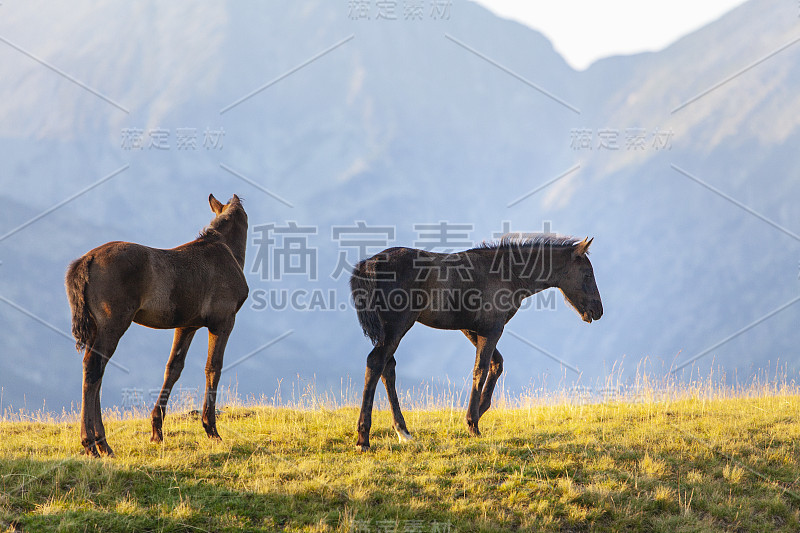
<point x="83" y="495"/>
<point x="79" y="494"/>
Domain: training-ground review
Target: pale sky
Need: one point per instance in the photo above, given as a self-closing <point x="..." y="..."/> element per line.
<point x="586" y="30"/>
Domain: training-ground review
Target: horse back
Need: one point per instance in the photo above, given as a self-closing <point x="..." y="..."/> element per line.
<point x="442" y="290"/>
<point x="196" y="284"/>
<point x="414" y="268"/>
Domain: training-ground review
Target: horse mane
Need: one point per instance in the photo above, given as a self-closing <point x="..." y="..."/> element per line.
<point x="529" y="240"/>
<point x="209" y="234"/>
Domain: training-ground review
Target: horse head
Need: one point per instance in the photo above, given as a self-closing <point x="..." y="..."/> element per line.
<point x="578" y="284"/>
<point x="230" y="221"/>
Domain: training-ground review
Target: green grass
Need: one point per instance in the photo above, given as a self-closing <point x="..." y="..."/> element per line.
<point x="687" y="464"/>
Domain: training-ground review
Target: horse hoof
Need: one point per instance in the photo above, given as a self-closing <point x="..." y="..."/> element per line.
<point x="474" y="431"/>
<point x="404" y="436"/>
<point x="106" y="450"/>
<point x="362" y="448"/>
<point x="215" y="437"/>
<point x="157" y="438"/>
<point x="91" y="451"/>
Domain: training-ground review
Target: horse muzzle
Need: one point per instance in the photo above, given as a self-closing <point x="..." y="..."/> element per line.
<point x="592" y="312"/>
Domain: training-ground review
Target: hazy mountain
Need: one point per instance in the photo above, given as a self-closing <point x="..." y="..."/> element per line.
<point x="442" y="116"/>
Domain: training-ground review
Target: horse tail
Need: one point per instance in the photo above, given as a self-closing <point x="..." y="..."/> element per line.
<point x="363" y="285"/>
<point x="84" y="327"/>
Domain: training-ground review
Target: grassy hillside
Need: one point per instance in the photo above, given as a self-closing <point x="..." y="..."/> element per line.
<point x="681" y="465"/>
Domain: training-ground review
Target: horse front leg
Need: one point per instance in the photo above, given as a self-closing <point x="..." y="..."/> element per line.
<point x="485" y="346"/>
<point x="217" y="339"/>
<point x="495" y="369"/>
<point x="180" y="345"/>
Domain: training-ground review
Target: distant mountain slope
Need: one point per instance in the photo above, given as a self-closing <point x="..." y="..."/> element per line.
<point x="399" y="123"/>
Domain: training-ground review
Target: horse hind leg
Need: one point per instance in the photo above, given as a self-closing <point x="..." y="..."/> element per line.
<point x="92" y="372"/>
<point x="95" y="359"/>
<point x="376" y="361"/>
<point x="376" y="364"/>
<point x="177" y="357"/>
<point x="388" y="376"/>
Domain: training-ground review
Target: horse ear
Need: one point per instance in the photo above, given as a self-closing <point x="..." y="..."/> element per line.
<point x="216" y="205"/>
<point x="582" y="247"/>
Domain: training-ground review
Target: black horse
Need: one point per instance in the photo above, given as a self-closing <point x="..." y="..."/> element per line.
<point x="476" y="291"/>
<point x="198" y="284"/>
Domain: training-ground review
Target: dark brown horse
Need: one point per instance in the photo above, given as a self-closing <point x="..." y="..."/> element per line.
<point x="198" y="284"/>
<point x="476" y="291"/>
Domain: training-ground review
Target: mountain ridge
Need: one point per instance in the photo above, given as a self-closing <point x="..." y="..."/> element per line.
<point x="401" y="125"/>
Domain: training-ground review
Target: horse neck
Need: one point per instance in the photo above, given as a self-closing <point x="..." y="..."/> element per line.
<point x="235" y="236"/>
<point x="558" y="258"/>
<point x="541" y="270"/>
